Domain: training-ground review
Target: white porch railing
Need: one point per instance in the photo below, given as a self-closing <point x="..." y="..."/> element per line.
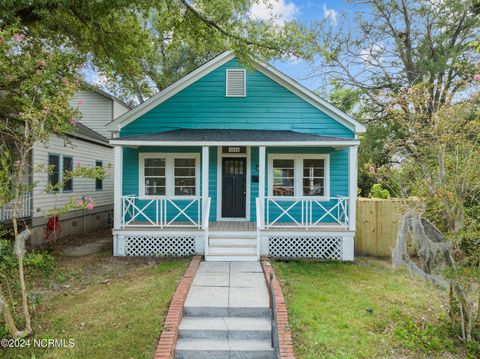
<point x="205" y="222"/>
<point x="24" y="208"/>
<point x="304" y="212"/>
<point x="162" y="212"/>
<point x="258" y="206"/>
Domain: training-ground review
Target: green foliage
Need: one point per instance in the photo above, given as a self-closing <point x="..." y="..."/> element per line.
<point x="378" y="191"/>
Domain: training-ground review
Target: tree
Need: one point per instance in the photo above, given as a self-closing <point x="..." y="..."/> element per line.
<point x="37" y="81"/>
<point x="386" y="49"/>
<point x="137" y="44"/>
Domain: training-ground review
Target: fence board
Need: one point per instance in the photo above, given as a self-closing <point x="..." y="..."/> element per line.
<point x="377" y="224"/>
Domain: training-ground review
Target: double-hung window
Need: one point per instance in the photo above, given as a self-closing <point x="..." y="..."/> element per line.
<point x="53" y="171"/>
<point x="298" y="175"/>
<point x="98" y="181"/>
<point x="169" y="174"/>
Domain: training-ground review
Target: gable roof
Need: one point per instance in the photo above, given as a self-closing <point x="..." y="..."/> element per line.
<point x="83" y="132"/>
<point x="269" y="71"/>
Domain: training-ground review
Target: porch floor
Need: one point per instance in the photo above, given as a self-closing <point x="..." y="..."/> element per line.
<point x="234" y="226"/>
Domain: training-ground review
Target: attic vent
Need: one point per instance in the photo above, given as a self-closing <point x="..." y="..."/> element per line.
<point x="236" y="83"/>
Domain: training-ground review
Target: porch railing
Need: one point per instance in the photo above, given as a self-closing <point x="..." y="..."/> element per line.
<point x="205" y="221"/>
<point x="162" y="212"/>
<point x="24" y="208"/>
<point x="304" y="212"/>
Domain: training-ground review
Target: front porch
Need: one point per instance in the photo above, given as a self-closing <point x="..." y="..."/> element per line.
<point x="235" y="200"/>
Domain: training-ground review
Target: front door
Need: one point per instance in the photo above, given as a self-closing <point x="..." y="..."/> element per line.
<point x="234" y="187"/>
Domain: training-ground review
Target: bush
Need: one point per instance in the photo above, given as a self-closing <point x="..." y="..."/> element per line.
<point x="33" y="261"/>
<point x="378" y="191"/>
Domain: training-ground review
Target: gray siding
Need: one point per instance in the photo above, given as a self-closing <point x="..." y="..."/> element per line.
<point x="97" y="111"/>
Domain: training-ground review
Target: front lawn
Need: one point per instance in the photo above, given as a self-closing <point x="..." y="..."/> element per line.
<point x="365" y="310"/>
<point x="110" y="307"/>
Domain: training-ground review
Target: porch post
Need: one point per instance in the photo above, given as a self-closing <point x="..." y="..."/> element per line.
<point x="205" y="160"/>
<point x="352" y="185"/>
<point x="118" y="184"/>
<point x="261" y="178"/>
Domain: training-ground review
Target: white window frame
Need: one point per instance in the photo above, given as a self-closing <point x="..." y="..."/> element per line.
<point x="298" y="173"/>
<point x="244" y="83"/>
<point x="169" y="174"/>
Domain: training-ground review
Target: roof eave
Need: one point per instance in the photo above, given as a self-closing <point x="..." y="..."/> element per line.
<point x="138" y="143"/>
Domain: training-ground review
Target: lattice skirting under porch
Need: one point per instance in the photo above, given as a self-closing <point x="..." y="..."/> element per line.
<point x="157" y="245"/>
<point x="328" y="247"/>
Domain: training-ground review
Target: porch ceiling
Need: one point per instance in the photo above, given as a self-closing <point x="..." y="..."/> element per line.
<point x="188" y="137"/>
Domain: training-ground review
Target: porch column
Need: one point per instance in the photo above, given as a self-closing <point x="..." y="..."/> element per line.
<point x="118" y="184"/>
<point x="205" y="163"/>
<point x="352" y="185"/>
<point x="261" y="178"/>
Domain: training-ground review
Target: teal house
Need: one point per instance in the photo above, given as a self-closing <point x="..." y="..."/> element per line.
<point x="234" y="164"/>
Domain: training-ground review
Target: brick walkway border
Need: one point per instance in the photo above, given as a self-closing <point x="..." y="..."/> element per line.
<point x="284" y="334"/>
<point x="168" y="339"/>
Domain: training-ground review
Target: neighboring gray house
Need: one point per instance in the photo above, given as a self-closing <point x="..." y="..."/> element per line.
<point x="87" y="145"/>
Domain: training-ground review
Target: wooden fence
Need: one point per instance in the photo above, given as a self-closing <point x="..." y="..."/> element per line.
<point x="377" y="224"/>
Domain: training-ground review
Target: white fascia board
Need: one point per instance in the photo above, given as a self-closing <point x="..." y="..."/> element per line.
<point x="170" y="91"/>
<point x="120" y="142"/>
<point x="311" y="97"/>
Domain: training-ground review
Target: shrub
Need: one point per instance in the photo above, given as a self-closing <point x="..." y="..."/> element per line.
<point x="378" y="191"/>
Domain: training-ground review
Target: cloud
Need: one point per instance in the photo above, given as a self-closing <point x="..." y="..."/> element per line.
<point x="279" y="11"/>
<point x="329" y="14"/>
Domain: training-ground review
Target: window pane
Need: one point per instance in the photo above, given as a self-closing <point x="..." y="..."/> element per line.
<point x="184" y="191"/>
<point x="283" y="191"/>
<point x="186" y="172"/>
<point x="154" y="162"/>
<point x="53" y="171"/>
<point x="283" y="163"/>
<point x="314" y="172"/>
<point x="313" y="163"/>
<point x="98" y="181"/>
<point x="185" y="182"/>
<point x="155" y="181"/>
<point x="278" y="172"/>
<point x="313" y="187"/>
<point x="155" y="191"/>
<point x="157" y="172"/>
<point x="67" y="167"/>
<point x="184" y="162"/>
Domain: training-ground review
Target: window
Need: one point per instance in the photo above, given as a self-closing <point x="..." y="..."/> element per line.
<point x="314" y="177"/>
<point x="155" y="176"/>
<point x="98" y="181"/>
<point x="67" y="167"/>
<point x="169" y="174"/>
<point x="184" y="173"/>
<point x="236" y="83"/>
<point x="302" y="175"/>
<point x="53" y="171"/>
<point x="283" y="177"/>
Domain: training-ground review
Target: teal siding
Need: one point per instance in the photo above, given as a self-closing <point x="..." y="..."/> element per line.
<point x="267" y="105"/>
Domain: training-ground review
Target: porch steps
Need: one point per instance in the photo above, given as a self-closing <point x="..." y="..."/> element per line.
<point x="232" y="247"/>
<point x="226" y="314"/>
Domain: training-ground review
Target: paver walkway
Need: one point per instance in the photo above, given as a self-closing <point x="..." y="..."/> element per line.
<point x="226" y="313"/>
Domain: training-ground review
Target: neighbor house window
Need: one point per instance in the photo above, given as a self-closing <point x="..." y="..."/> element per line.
<point x="283" y="177"/>
<point x="314" y="177"/>
<point x="98" y="181"/>
<point x="169" y="174"/>
<point x="184" y="172"/>
<point x="299" y="175"/>
<point x="53" y="171"/>
<point x="155" y="176"/>
<point x="67" y="167"/>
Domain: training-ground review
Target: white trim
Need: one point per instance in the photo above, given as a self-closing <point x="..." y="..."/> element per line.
<point x="298" y="173"/>
<point x="215" y="63"/>
<point x="136" y="143"/>
<point x="244" y="82"/>
<point x="118" y="186"/>
<point x="220" y="155"/>
<point x="169" y="91"/>
<point x="169" y="174"/>
<point x="261" y="180"/>
<point x="352" y="184"/>
<point x="205" y="177"/>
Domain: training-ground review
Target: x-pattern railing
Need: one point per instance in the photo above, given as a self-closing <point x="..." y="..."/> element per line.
<point x="161" y="212"/>
<point x="304" y="212"/>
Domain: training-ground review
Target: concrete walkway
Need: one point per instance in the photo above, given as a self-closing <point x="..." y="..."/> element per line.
<point x="226" y="313"/>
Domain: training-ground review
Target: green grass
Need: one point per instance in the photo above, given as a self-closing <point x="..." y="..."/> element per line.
<point x="364" y="310"/>
<point x="112" y="308"/>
